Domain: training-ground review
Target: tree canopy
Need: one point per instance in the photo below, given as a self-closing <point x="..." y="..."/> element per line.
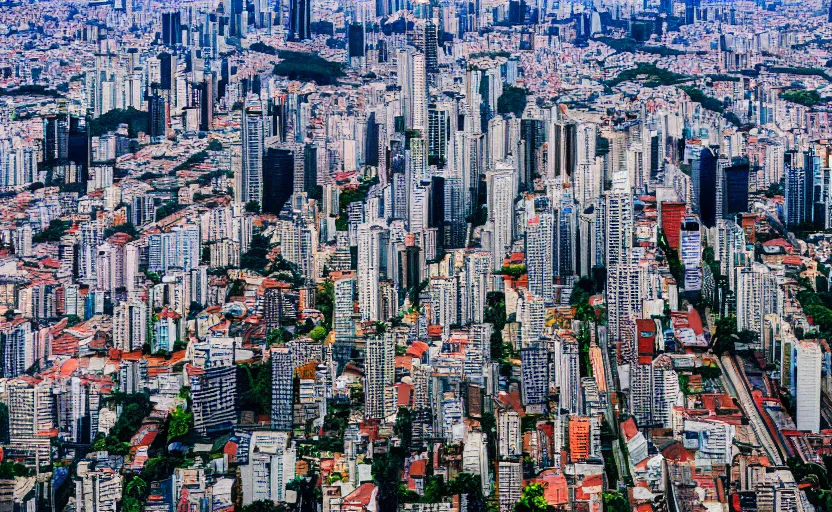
<point x="532" y="499"/>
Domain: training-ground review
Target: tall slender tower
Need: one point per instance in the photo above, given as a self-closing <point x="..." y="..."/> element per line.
<point x="619" y="211"/>
<point x="501" y="193"/>
<point x="300" y="19"/>
<point x="282" y="379"/>
<point x="253" y="143"/>
<point x="379" y="373"/>
<point x="540" y="254"/>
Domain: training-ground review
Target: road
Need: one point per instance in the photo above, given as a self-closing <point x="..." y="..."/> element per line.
<point x="735" y="384"/>
<point x="612" y="388"/>
<point x="738" y="388"/>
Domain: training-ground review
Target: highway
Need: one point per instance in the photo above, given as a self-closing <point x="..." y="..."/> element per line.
<point x="738" y="388"/>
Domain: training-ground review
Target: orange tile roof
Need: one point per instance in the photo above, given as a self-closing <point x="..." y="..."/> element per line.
<point x="418" y="468"/>
<point x="404" y="394"/>
<point x="360" y="496"/>
<point x="417" y="349"/>
<point x="69" y="367"/>
<point x="629" y="428"/>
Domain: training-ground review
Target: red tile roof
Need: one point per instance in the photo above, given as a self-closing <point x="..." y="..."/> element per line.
<point x="629" y="428"/>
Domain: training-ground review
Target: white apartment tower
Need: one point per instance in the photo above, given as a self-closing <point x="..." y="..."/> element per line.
<point x="253" y="144"/>
<point x="502" y="186"/>
<point x="809" y="361"/>
<point x="619" y="217"/>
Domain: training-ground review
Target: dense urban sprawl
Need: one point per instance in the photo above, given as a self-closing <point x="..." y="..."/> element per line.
<point x="415" y="256"/>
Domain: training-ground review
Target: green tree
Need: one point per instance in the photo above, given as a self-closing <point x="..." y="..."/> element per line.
<point x="808" y="472"/>
<point x="488" y="423"/>
<point x="495" y="314"/>
<point x="614" y="501"/>
<point x="318" y="333"/>
<point x="513" y="100"/>
<point x="136" y="121"/>
<point x="404" y="428"/>
<point x="324" y="297"/>
<point x="160" y="468"/>
<point x="255" y="387"/>
<point x="180" y="422"/>
<point x="532" y="499"/>
<point x="131" y="505"/>
<point x="435" y="489"/>
<point x="136" y="488"/>
<point x="467" y="483"/>
<point x="386" y="470"/>
<point x="10" y="470"/>
<point x="406" y="495"/>
<point x="53" y="233"/>
<point x="256" y="256"/>
<point x="514" y="271"/>
<point x="127" y="228"/>
<point x="134" y="409"/>
<point x="807" y="98"/>
<point x="307" y="67"/>
<point x="253" y="207"/>
<point x="168" y="208"/>
<point x="725" y="335"/>
<point x="110" y="444"/>
<point x="154" y="277"/>
<point x="274" y="337"/>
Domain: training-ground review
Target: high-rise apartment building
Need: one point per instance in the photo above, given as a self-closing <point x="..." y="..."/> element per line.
<point x="690" y="253"/>
<point x="371" y="240"/>
<point x="756" y="295"/>
<point x="809" y="363"/>
<point x="282" y="388"/>
<point x="130" y="324"/>
<point x="378" y="376"/>
<point x="540" y="262"/>
<point x="502" y="189"/>
<point x="618" y="212"/>
<point x="214" y="398"/>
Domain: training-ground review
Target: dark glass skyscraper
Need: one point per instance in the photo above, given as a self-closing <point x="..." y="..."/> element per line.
<point x="371" y="150"/>
<point x="310" y="167"/>
<point x="356" y="40"/>
<point x="56" y="138"/>
<point x="437" y="208"/>
<point x="78" y="149"/>
<point x="431" y="48"/>
<point x="278" y="176"/>
<point x="703" y="175"/>
<point x="158" y="117"/>
<point x="533" y="133"/>
<point x="300" y="19"/>
<point x="171" y="28"/>
<point x="167" y="68"/>
<point x="735" y="189"/>
<point x="206" y="103"/>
